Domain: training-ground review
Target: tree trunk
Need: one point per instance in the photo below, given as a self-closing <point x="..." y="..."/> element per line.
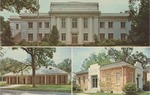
<point x="33" y="72"/>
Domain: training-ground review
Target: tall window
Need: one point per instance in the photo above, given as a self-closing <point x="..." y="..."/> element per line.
<point x="17" y="26"/>
<point x="85" y="36"/>
<point x="118" y="78"/>
<point x="94" y="81"/>
<point x="30" y="24"/>
<point x="110" y="36"/>
<point x="46" y="35"/>
<point x="40" y="24"/>
<point x="102" y="36"/>
<point x="40" y="37"/>
<point x="74" y="23"/>
<point x="79" y="81"/>
<point x="63" y="23"/>
<point x="102" y="24"/>
<point x="85" y="22"/>
<point x="123" y="36"/>
<point x="46" y="24"/>
<point x="84" y="79"/>
<point x="30" y="37"/>
<point x="110" y="24"/>
<point x="123" y="24"/>
<point x="131" y="76"/>
<point x="63" y="36"/>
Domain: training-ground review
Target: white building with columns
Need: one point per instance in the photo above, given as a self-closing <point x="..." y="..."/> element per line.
<point x="76" y="22"/>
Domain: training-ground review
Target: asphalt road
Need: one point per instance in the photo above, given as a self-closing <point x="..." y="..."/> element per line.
<point x="17" y="92"/>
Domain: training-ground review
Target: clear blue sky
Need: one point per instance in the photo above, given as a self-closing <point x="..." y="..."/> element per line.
<point x="21" y="55"/>
<point x="105" y="6"/>
<point x="80" y="54"/>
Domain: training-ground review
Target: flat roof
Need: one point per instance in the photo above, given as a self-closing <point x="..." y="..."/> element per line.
<point x="109" y="66"/>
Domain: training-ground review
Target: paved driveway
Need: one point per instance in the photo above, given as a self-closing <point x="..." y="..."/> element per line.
<point x="17" y="92"/>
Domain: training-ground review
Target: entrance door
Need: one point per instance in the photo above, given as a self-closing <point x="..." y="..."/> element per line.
<point x="137" y="82"/>
<point x="74" y="39"/>
<point x="94" y="81"/>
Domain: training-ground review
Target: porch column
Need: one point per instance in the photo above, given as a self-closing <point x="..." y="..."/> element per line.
<point x="45" y="79"/>
<point x="56" y="79"/>
<point x="80" y="34"/>
<point x="9" y="80"/>
<point x="26" y="80"/>
<point x="16" y="79"/>
<point x="68" y="32"/>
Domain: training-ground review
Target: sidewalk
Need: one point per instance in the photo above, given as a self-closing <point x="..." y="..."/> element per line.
<point x="13" y="86"/>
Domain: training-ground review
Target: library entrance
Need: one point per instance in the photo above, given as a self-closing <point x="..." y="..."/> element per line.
<point x="74" y="39"/>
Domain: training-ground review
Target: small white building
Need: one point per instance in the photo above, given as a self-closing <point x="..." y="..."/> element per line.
<point x="76" y="22"/>
<point x="111" y="77"/>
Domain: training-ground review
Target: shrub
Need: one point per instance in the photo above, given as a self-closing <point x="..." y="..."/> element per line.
<point x="130" y="89"/>
<point x="146" y="87"/>
<point x="76" y="88"/>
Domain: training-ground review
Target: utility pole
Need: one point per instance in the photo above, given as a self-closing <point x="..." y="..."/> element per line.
<point x="38" y="22"/>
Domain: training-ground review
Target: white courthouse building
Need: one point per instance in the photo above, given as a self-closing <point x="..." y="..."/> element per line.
<point x="76" y="22"/>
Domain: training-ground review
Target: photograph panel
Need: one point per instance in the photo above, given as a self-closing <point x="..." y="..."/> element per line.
<point x="111" y="71"/>
<point x="35" y="71"/>
<point x="75" y="23"/>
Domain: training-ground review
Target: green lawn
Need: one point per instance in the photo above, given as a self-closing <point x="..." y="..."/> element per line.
<point x="51" y="88"/>
<point x="141" y="93"/>
<point x="144" y="93"/>
<point x="3" y="83"/>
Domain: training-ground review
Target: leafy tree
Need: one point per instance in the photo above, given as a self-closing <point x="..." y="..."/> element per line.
<point x="101" y="58"/>
<point x="140" y="57"/>
<point x="38" y="57"/>
<point x="6" y="36"/>
<point x="120" y="55"/>
<point x="18" y="5"/>
<point x="96" y="39"/>
<point x="127" y="55"/>
<point x="1" y="52"/>
<point x="65" y="65"/>
<point x="54" y="36"/>
<point x="139" y="16"/>
<point x="10" y="65"/>
<point x="115" y="55"/>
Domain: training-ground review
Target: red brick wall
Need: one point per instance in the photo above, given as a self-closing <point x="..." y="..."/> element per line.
<point x="145" y="77"/>
<point x="83" y="81"/>
<point x="108" y="79"/>
<point x="125" y="77"/>
<point x="127" y="74"/>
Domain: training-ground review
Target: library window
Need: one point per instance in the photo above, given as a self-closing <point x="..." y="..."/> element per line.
<point x="63" y="36"/>
<point x="123" y="36"/>
<point x="102" y="24"/>
<point x="40" y="24"/>
<point x="74" y="23"/>
<point x="110" y="24"/>
<point x="123" y="24"/>
<point x="17" y="26"/>
<point x="30" y="24"/>
<point x="85" y="36"/>
<point x="110" y="36"/>
<point x="30" y="37"/>
<point x="85" y="22"/>
<point x="63" y="22"/>
<point x="46" y="24"/>
<point x="102" y="36"/>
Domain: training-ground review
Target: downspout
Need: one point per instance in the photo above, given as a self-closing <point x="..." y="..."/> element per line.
<point x="122" y="76"/>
